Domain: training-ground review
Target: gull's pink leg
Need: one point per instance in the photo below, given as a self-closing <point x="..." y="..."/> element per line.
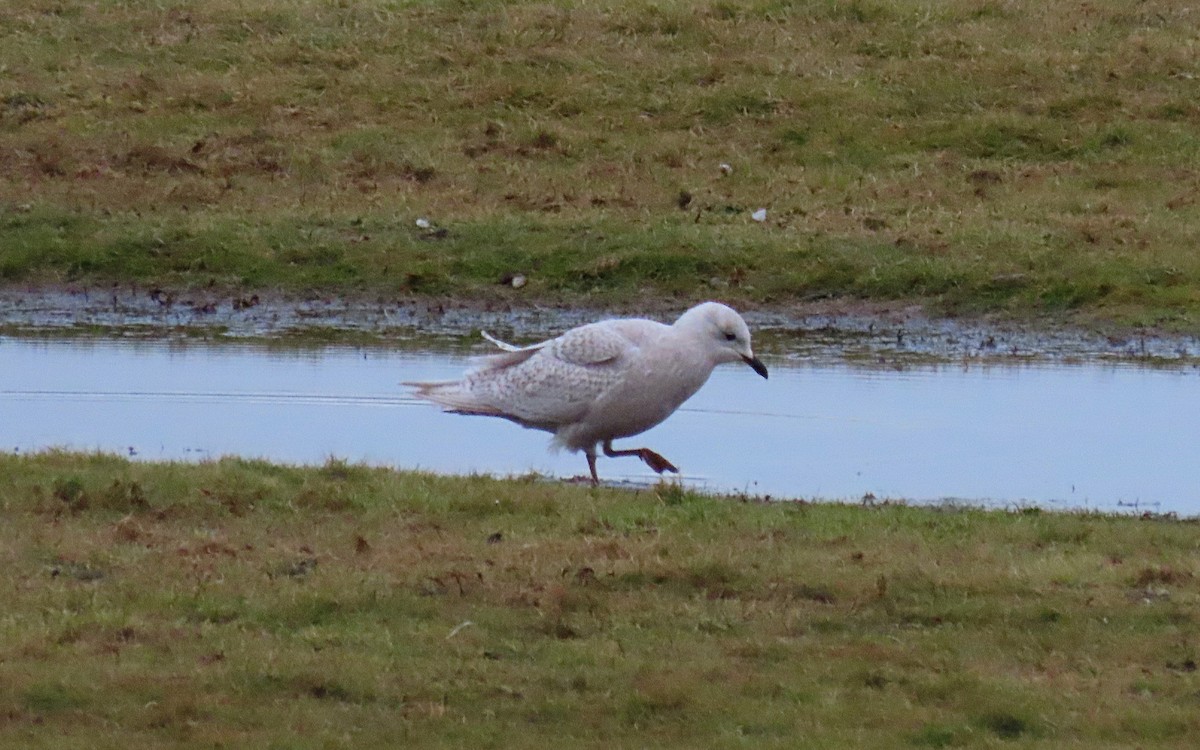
<point x="652" y="459"/>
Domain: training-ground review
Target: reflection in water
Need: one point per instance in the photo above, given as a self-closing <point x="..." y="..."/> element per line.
<point x="1086" y="436"/>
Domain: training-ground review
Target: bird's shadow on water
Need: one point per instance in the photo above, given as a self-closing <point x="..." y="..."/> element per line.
<point x="640" y="483"/>
<point x="673" y="485"/>
<point x="624" y="483"/>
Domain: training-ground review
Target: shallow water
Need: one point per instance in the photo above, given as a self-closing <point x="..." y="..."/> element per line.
<point x="1094" y="436"/>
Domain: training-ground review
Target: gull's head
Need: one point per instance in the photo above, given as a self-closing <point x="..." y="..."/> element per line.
<point x="723" y="332"/>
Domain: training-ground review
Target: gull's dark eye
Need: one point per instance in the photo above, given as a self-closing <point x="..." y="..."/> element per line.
<point x="731" y="337"/>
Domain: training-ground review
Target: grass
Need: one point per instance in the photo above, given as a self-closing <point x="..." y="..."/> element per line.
<point x="238" y="603"/>
<point x="978" y="156"/>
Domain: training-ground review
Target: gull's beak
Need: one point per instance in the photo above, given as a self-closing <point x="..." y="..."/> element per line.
<point x="756" y="365"/>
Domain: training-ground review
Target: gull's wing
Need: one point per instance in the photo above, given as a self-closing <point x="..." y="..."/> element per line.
<point x="545" y="385"/>
<point x="558" y="382"/>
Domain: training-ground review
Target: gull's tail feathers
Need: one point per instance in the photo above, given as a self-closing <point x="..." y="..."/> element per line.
<point x="453" y="395"/>
<point x="456" y="398"/>
<point x="461" y="397"/>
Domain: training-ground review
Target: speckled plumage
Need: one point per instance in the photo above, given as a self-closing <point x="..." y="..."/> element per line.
<point x="601" y="381"/>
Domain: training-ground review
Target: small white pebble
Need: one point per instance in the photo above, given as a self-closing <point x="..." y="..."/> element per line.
<point x="518" y="281"/>
<point x="423" y="223"/>
<point x="759" y="215"/>
<point x="726" y="168"/>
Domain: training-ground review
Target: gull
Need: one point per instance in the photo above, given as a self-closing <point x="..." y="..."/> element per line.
<point x="601" y="381"/>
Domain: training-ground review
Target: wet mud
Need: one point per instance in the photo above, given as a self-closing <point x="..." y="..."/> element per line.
<point x="833" y="331"/>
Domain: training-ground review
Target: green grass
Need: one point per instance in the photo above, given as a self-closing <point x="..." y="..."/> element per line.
<point x="244" y="604"/>
<point x="1021" y="157"/>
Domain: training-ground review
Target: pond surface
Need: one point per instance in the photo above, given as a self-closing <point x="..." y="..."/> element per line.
<point x="1092" y="435"/>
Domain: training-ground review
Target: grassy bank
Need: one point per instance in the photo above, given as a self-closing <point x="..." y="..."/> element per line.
<point x="1020" y="157"/>
<point x="243" y="604"/>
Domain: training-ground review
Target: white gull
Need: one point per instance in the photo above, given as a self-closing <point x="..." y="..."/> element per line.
<point x="601" y="381"/>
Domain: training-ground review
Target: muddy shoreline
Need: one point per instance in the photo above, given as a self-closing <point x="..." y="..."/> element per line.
<point x="856" y="331"/>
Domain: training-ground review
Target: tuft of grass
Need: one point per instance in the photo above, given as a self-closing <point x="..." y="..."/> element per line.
<point x="1004" y="725"/>
<point x="51" y="698"/>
